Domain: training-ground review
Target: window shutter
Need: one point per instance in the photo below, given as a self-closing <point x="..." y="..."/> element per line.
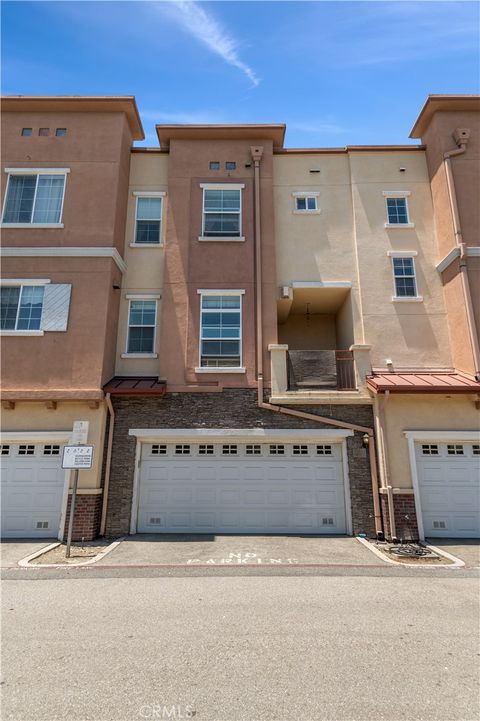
<point x="56" y="304"/>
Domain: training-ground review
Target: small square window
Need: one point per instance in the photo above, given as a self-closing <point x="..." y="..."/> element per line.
<point x="430" y="449"/>
<point x="60" y="132"/>
<point x="229" y="449"/>
<point x="277" y="449"/>
<point x="51" y="450"/>
<point x="305" y="203"/>
<point x="44" y="132"/>
<point x="300" y="450"/>
<point x="214" y="165"/>
<point x="26" y="450"/>
<point x="323" y="450"/>
<point x="26" y="132"/>
<point x="206" y="449"/>
<point x="159" y="449"/>
<point x="253" y="449"/>
<point x="476" y="449"/>
<point x="455" y="449"/>
<point x="5" y="449"/>
<point x="182" y="449"/>
<point x="230" y="165"/>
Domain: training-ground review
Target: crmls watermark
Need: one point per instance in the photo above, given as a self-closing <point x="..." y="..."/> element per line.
<point x="163" y="711"/>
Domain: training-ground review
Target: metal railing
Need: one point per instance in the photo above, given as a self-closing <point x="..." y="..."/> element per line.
<point x="321" y="370"/>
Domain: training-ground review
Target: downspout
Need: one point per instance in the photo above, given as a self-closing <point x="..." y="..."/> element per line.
<point x="460" y="243"/>
<point x="108" y="464"/>
<point x="257" y="156"/>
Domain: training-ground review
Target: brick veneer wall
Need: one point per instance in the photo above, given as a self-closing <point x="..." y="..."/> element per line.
<point x="88" y="512"/>
<point x="229" y="409"/>
<point x="405" y="516"/>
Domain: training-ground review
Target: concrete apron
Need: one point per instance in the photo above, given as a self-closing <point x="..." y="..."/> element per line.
<point x="201" y="550"/>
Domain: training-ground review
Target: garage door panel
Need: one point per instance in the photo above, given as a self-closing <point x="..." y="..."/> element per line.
<point x="449" y="486"/>
<point x="32" y="483"/>
<point x="242" y="492"/>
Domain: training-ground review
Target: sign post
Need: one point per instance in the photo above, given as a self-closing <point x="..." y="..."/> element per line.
<point x="76" y="457"/>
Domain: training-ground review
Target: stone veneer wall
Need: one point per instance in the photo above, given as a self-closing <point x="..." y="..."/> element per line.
<point x="228" y="409"/>
<point x="405" y="516"/>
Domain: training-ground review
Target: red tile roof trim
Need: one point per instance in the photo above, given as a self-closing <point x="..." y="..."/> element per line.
<point x="135" y="386"/>
<point x="423" y="383"/>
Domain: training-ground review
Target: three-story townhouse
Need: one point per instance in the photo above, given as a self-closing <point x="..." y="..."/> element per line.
<point x="65" y="170"/>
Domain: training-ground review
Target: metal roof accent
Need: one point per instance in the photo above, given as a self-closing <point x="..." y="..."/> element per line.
<point x="135" y="386"/>
<point x="417" y="382"/>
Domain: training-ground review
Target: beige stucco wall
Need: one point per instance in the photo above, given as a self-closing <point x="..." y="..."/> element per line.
<point x="35" y="417"/>
<point x="314" y="333"/>
<point x="421" y="412"/>
<point x="348" y="241"/>
<point x="145" y="265"/>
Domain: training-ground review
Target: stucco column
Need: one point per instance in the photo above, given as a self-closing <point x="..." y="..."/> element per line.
<point x="363" y="366"/>
<point x="278" y="361"/>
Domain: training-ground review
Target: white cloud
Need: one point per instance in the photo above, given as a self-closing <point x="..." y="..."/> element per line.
<point x="204" y="26"/>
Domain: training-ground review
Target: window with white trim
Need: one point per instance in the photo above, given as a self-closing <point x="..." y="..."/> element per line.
<point x="404" y="277"/>
<point x="305" y="203"/>
<point x="142" y="320"/>
<point x="21" y="307"/>
<point x="222" y="209"/>
<point x="148" y="219"/>
<point x="221" y="331"/>
<point x="396" y="206"/>
<point x="34" y="198"/>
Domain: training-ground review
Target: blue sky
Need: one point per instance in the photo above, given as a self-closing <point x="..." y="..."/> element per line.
<point x="338" y="73"/>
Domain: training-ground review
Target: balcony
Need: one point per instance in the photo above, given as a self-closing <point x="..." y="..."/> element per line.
<point x="319" y="376"/>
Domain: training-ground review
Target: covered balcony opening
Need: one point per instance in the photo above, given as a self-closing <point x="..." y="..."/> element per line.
<point x="316" y="323"/>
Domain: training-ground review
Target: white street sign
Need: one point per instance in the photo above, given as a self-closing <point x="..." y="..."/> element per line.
<point x="80" y="432"/>
<point x="79" y="457"/>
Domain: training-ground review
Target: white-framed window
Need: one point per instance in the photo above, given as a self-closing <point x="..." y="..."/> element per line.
<point x="148" y="218"/>
<point x="404" y="277"/>
<point x="305" y="202"/>
<point x="221" y="330"/>
<point x="34" y="197"/>
<point x="142" y="322"/>
<point x="396" y="206"/>
<point x="222" y="212"/>
<point x="21" y="307"/>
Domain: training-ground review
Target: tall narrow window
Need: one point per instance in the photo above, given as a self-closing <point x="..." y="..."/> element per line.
<point x="35" y="199"/>
<point x="21" y="307"/>
<point x="220" y="334"/>
<point x="141" y="326"/>
<point x="148" y="220"/>
<point x="221" y="213"/>
<point x="404" y="276"/>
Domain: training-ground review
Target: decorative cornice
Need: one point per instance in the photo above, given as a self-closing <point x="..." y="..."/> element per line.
<point x="65" y="252"/>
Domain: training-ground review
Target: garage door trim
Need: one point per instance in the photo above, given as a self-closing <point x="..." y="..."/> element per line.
<point x="194" y="435"/>
<point x="431" y="435"/>
<point x="42" y="437"/>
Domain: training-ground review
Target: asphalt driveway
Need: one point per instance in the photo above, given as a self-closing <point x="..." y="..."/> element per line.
<point x="239" y="550"/>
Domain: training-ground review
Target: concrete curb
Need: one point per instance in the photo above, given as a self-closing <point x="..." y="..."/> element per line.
<point x="26" y="562"/>
<point x="457" y="562"/>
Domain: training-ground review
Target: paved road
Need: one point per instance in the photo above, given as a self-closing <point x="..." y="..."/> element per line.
<point x="381" y="644"/>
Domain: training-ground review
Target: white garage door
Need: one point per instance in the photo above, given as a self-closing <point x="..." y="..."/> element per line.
<point x="449" y="482"/>
<point x="32" y="490"/>
<point x="241" y="488"/>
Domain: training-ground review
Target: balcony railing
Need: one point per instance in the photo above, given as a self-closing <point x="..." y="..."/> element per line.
<point x="313" y="371"/>
<point x="320" y="370"/>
